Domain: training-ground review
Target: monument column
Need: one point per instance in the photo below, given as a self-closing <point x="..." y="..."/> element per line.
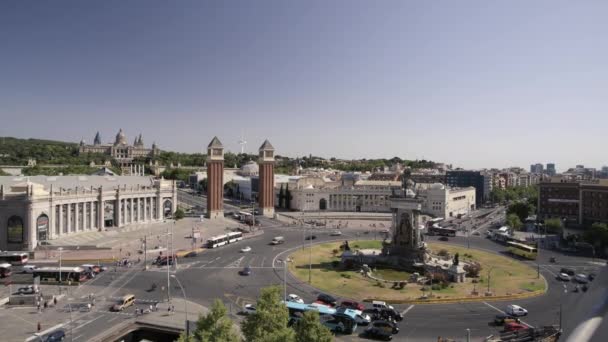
<point x="215" y="179"/>
<point x="266" y="191"/>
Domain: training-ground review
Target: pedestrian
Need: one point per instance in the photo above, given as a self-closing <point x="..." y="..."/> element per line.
<point x="155" y="306"/>
<point x="89" y="306"/>
<point x="54" y="300"/>
<point x="39" y="327"/>
<point x="46" y="305"/>
<point x="38" y="305"/>
<point x="151" y="308"/>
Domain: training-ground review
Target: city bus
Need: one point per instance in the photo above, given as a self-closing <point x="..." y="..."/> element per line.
<point x="14" y="258"/>
<point x="341" y="320"/>
<point x="5" y="270"/>
<point x="217" y="241"/>
<point x="234" y="237"/>
<point x="436" y="229"/>
<point x="522" y="250"/>
<point x="75" y="274"/>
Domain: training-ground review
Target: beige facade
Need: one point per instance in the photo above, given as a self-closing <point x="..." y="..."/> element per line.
<point x="120" y="149"/>
<point x="446" y="202"/>
<point x="43" y="208"/>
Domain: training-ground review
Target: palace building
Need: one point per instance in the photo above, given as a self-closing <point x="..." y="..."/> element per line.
<point x="120" y="149"/>
<point x="40" y="208"/>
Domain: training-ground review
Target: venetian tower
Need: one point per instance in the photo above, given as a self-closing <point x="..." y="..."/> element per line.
<point x="266" y="191"/>
<point x="215" y="179"/>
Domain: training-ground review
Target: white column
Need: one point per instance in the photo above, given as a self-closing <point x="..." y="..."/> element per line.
<point x="69" y="218"/>
<point x="139" y="219"/>
<point x="131" y="201"/>
<point x="60" y="218"/>
<point x="84" y="216"/>
<point x="145" y="209"/>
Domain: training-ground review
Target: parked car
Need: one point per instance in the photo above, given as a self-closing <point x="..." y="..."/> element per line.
<point x="563" y="276"/>
<point x="377" y="334"/>
<point x="295" y="298"/>
<point x="311" y="237"/>
<point x="516" y="310"/>
<point x="387" y="326"/>
<point x="246" y="249"/>
<point x="327" y="299"/>
<point x="352" y="305"/>
<point x="581" y="278"/>
<point x="501" y="319"/>
<point x="568" y="271"/>
<point x="248" y="309"/>
<point x="245" y="271"/>
<point x="378" y="304"/>
<point x="363" y="319"/>
<point x="57" y="335"/>
<point x="515" y="326"/>
<point x="30" y="289"/>
<point x="443" y="238"/>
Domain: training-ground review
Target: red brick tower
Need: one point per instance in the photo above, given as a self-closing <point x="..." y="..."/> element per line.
<point x="215" y="179"/>
<point x="266" y="191"/>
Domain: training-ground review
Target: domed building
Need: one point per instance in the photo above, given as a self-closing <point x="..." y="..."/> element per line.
<point x="251" y="169"/>
<point x="120" y="149"/>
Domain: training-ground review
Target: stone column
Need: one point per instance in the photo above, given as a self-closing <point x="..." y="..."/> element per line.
<point x="139" y="212"/>
<point x="145" y="209"/>
<point x="266" y="191"/>
<point x="131" y="209"/>
<point x="69" y="218"/>
<point x="101" y="224"/>
<point x="60" y="218"/>
<point x="84" y="216"/>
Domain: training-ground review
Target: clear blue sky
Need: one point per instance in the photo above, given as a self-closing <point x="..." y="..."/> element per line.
<point x="474" y="83"/>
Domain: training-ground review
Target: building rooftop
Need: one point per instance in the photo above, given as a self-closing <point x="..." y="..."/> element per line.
<point x="72" y="182"/>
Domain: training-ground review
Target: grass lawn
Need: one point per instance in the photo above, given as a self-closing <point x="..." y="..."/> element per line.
<point x="507" y="276"/>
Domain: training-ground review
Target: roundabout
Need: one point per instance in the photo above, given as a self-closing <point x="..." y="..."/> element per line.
<point x="499" y="276"/>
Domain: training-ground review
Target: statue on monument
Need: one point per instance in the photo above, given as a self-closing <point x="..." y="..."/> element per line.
<point x="409" y="186"/>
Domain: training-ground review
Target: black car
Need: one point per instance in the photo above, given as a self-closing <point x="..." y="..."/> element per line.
<point x="191" y="254"/>
<point x="387" y="326"/>
<point x="57" y="335"/>
<point x="377" y="334"/>
<point x="443" y="238"/>
<point x="591" y="276"/>
<point x="327" y="299"/>
<point x="311" y="237"/>
<point x="245" y="271"/>
<point x="391" y="314"/>
<point x="501" y="319"/>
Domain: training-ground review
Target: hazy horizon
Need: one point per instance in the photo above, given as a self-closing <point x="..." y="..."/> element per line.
<point x="475" y="84"/>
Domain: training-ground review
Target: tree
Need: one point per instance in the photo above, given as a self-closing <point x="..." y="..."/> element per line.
<point x="472" y="269"/>
<point x="269" y="322"/>
<point x="497" y="195"/>
<point x="178" y="214"/>
<point x="597" y="235"/>
<point x="213" y="327"/>
<point x="553" y="225"/>
<point x="514" y="222"/>
<point x="521" y="209"/>
<point x="287" y="198"/>
<point x="281" y="197"/>
<point x="310" y="329"/>
<point x="456" y="259"/>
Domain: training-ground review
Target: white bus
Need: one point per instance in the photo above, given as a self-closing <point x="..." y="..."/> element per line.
<point x="234" y="237"/>
<point x="14" y="258"/>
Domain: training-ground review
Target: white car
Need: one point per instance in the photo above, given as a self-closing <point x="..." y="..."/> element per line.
<point x="29" y="268"/>
<point x="336" y="233"/>
<point x="564" y="277"/>
<point x="516" y="310"/>
<point x="362" y="318"/>
<point x="246" y="249"/>
<point x="249" y="309"/>
<point x="295" y="298"/>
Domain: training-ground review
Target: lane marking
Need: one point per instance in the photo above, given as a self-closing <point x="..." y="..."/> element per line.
<point x="79" y="336"/>
<point x="94" y="319"/>
<point x="407" y="310"/>
<point x="497" y="309"/>
<point x="263" y="259"/>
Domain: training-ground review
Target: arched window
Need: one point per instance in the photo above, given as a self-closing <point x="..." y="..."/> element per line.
<point x="15" y="230"/>
<point x="42" y="227"/>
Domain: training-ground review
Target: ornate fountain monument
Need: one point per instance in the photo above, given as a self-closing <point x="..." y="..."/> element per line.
<point x="407" y="247"/>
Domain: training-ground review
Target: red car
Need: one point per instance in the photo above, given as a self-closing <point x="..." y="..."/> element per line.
<point x="515" y="326"/>
<point x="352" y="305"/>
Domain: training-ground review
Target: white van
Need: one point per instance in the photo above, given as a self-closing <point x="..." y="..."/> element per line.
<point x="516" y="310"/>
<point x="376" y="304"/>
<point x="278" y="240"/>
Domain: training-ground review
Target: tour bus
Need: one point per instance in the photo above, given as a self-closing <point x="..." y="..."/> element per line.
<point x="75" y="274"/>
<point x="5" y="270"/>
<point x="246" y="217"/>
<point x="341" y="320"/>
<point x="277" y="240"/>
<point x="234" y="237"/>
<point x="523" y="250"/>
<point x="14" y="258"/>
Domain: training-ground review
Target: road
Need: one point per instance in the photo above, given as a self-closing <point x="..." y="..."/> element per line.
<point x="214" y="274"/>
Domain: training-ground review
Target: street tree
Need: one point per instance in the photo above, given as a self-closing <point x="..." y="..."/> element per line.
<point x="179" y="214"/>
<point x="553" y="226"/>
<point x="215" y="326"/>
<point x="514" y="222"/>
<point x="310" y="329"/>
<point x="269" y="322"/>
<point x="597" y="235"/>
<point x="521" y="209"/>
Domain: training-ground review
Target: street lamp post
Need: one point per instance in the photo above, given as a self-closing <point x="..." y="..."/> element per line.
<point x="468" y="335"/>
<point x="560" y="307"/>
<point x="60" y="249"/>
<point x="285" y="276"/>
<point x="185" y="303"/>
<point x="489" y="273"/>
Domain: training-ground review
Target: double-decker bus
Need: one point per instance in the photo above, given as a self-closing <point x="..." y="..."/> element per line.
<point x="522" y="250"/>
<point x="14" y="258"/>
<point x="75" y="274"/>
<point x="234" y="237"/>
<point x="341" y="320"/>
